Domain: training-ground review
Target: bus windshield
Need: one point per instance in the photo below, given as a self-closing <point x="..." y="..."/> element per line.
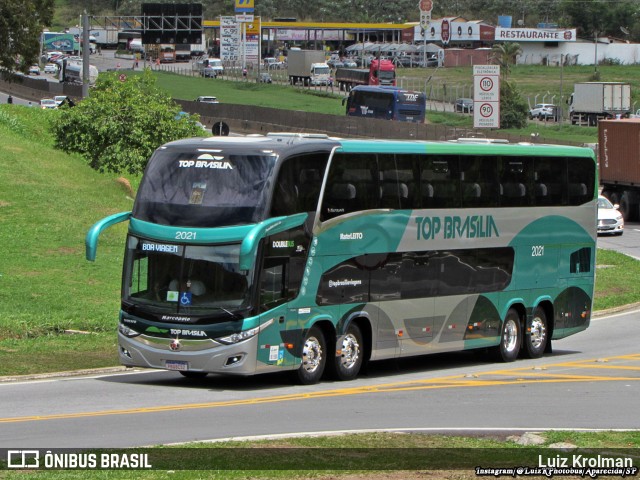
<point x="199" y="189"/>
<point x="185" y="279"/>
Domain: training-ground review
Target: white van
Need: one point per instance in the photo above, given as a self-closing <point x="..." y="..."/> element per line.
<point x="207" y="99"/>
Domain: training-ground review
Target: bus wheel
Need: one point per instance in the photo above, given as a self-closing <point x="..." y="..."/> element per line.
<point x="194" y="375"/>
<point x="536" y="335"/>
<point x="510" y="339"/>
<point x="313" y="357"/>
<point x="348" y="363"/>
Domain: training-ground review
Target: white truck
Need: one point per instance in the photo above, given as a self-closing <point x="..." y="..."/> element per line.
<point x="308" y="67"/>
<point x="593" y="101"/>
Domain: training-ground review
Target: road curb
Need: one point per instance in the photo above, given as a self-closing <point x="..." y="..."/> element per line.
<point x="70" y="373"/>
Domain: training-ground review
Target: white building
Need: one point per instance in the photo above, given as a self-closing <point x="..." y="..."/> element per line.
<point x="545" y="46"/>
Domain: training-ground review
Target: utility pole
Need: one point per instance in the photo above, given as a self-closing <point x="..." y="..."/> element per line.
<point x="85" y="55"/>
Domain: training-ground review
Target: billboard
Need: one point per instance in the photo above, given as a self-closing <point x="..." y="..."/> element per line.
<point x="59" y="42"/>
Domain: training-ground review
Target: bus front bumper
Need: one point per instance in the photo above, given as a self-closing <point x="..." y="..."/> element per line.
<point x="189" y="355"/>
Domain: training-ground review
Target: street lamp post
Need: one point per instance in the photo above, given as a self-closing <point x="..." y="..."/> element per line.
<point x="595" y="42"/>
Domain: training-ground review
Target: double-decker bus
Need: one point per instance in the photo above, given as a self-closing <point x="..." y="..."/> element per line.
<point x="314" y="254"/>
<point x="387" y="103"/>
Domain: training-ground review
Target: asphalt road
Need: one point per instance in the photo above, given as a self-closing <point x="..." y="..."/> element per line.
<point x="627" y="243"/>
<point x="591" y="381"/>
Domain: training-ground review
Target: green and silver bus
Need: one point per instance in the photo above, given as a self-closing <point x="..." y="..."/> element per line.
<point x="316" y="255"/>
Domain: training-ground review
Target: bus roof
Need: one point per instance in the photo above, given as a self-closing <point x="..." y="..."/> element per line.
<point x="459" y="147"/>
<point x="278" y="143"/>
<point x="288" y="143"/>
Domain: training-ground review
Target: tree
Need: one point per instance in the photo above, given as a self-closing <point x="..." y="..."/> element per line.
<point x="120" y="125"/>
<point x="513" y="108"/>
<point x="601" y="17"/>
<point x="21" y="24"/>
<point x="506" y="54"/>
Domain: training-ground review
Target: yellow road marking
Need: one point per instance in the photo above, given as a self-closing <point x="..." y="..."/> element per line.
<point x="517" y="376"/>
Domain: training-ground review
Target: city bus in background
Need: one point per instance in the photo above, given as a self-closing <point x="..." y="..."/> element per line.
<point x="316" y="255"/>
<point x="387" y="103"/>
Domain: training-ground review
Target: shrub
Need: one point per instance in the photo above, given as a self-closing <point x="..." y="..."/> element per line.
<point x="121" y="123"/>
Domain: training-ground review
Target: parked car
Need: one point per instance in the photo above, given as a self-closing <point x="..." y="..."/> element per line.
<point x="207" y="99"/>
<point x="212" y="68"/>
<point x="48" y="103"/>
<point x="429" y="62"/>
<point x="349" y="63"/>
<point x="34" y="70"/>
<point x="272" y="63"/>
<point x="209" y="72"/>
<point x="464" y="105"/>
<point x="542" y="110"/>
<point x="51" y="68"/>
<point x="264" y="77"/>
<point x="59" y="99"/>
<point x="635" y="115"/>
<point x="609" y="217"/>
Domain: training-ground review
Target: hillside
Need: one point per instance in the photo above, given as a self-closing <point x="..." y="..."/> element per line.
<point x="48" y="201"/>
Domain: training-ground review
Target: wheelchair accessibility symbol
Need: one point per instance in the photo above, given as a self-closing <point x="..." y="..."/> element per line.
<point x="185" y="298"/>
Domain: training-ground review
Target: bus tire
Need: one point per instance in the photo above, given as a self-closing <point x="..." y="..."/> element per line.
<point x="510" y="338"/>
<point x="348" y="363"/>
<point x="536" y="334"/>
<point x="628" y="208"/>
<point x="314" y="357"/>
<point x="194" y="375"/>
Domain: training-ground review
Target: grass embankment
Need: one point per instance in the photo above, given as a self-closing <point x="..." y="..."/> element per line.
<point x="48" y="201"/>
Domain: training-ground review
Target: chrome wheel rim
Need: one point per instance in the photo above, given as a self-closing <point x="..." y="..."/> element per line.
<point x="510" y="336"/>
<point x="538" y="332"/>
<point x="311" y="354"/>
<point x="350" y="351"/>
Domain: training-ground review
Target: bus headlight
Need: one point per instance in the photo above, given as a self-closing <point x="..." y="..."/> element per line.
<point x="244" y="334"/>
<point x="239" y="337"/>
<point x="126" y="331"/>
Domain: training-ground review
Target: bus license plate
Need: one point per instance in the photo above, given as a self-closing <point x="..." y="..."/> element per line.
<point x="177" y="365"/>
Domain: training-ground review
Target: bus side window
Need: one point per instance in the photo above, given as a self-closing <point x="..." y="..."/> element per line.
<point x="351" y="186"/>
<point x="581" y="180"/>
<point x="285" y="193"/>
<point x="309" y="189"/>
<point x="514" y="182"/>
<point x="551" y="172"/>
<point x="298" y="185"/>
<point x="272" y="282"/>
<point x="442" y="174"/>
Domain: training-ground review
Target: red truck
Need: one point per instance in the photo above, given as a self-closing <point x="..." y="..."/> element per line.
<point x="380" y="72"/>
<point x="619" y="161"/>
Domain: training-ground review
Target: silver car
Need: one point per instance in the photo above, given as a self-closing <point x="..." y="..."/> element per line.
<point x="610" y="219"/>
